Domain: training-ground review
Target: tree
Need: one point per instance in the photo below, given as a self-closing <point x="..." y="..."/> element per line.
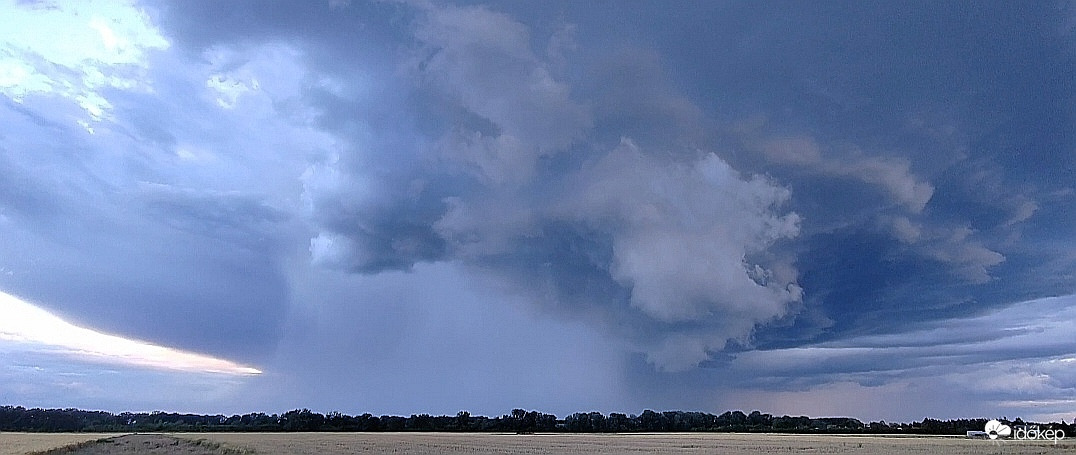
<point x="463" y="420"/>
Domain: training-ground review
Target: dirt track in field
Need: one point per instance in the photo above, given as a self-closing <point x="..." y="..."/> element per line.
<point x="20" y="443"/>
<point x="149" y="444"/>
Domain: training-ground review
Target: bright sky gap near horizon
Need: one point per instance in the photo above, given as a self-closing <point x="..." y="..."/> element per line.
<point x="855" y="208"/>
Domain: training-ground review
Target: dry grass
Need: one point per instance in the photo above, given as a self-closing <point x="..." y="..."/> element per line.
<point x="676" y="443"/>
<point x="22" y="443"/>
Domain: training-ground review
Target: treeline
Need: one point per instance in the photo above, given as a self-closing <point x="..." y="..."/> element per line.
<point x="14" y="418"/>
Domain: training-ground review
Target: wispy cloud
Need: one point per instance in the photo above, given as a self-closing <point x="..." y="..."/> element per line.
<point x="1017" y="360"/>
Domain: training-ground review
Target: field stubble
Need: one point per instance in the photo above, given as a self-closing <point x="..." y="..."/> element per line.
<point x="675" y="443"/>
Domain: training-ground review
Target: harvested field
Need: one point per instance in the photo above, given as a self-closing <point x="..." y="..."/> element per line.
<point x="678" y="443"/>
<point x="470" y="443"/>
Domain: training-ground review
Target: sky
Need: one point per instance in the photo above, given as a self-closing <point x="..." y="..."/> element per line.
<point x="830" y="209"/>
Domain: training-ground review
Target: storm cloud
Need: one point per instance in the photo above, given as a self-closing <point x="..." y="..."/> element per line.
<point x="709" y="202"/>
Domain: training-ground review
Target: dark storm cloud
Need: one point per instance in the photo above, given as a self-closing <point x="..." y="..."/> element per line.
<point x="515" y="186"/>
<point x="891" y="129"/>
<point x="788" y="193"/>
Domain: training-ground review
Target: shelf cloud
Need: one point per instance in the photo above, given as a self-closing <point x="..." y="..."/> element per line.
<point x="27" y="327"/>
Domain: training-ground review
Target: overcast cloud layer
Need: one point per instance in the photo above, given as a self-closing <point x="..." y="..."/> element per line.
<point x="848" y="208"/>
